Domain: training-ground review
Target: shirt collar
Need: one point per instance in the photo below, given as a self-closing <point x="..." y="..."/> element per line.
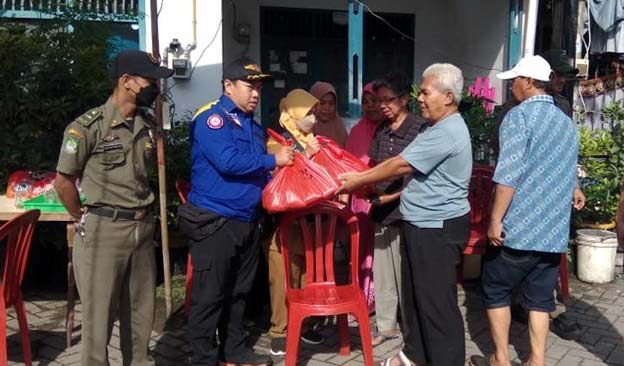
<point x="539" y="98"/>
<point x="112" y="113"/>
<point x="230" y="107"/>
<point x="402" y="130"/>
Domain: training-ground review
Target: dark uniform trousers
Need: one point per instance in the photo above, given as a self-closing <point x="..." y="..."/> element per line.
<point x="224" y="267"/>
<point x="116" y="274"/>
<point x="433" y="327"/>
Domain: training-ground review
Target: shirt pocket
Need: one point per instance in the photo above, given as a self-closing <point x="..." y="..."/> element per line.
<point x="111" y="160"/>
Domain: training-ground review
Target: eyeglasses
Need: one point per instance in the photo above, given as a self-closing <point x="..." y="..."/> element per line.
<point x="389" y="100"/>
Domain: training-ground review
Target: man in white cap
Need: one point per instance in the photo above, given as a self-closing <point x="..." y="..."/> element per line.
<point x="530" y="221"/>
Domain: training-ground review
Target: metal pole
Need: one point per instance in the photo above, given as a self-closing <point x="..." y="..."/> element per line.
<point x="531" y="28"/>
<point x="516" y="19"/>
<point x="354" y="57"/>
<point x="162" y="181"/>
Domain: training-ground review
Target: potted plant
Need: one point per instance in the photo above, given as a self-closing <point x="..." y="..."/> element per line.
<point x="601" y="160"/>
<point x="601" y="169"/>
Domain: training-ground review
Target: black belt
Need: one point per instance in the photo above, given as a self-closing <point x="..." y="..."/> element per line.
<point x="115" y="213"/>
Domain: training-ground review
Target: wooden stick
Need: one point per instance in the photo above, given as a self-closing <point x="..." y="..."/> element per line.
<point x="162" y="181"/>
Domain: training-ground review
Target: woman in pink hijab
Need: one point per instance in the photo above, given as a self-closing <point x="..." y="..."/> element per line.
<point x="358" y="143"/>
<point x="329" y="124"/>
<point x="362" y="132"/>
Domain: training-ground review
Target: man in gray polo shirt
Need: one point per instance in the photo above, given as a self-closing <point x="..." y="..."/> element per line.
<point x="435" y="207"/>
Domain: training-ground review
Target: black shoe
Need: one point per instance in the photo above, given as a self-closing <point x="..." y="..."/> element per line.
<point x="278" y="346"/>
<point x="478" y="360"/>
<point x="248" y="358"/>
<point x="312" y="337"/>
<point x="566" y="328"/>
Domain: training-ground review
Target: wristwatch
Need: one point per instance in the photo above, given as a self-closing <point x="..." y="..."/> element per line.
<point x="374" y="200"/>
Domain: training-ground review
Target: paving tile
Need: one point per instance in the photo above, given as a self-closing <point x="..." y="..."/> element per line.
<point x="616" y="358"/>
<point x="570" y="361"/>
<point x="600" y="309"/>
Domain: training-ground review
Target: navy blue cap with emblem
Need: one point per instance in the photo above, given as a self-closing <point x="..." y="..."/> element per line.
<point x="139" y="63"/>
<point x="245" y="69"/>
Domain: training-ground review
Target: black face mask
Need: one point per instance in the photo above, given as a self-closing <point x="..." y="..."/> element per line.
<point x="146" y="95"/>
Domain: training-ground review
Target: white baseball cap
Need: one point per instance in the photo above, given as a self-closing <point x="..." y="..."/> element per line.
<point x="534" y="67"/>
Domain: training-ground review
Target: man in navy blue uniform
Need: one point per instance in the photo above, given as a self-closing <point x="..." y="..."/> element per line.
<point x="230" y="167"/>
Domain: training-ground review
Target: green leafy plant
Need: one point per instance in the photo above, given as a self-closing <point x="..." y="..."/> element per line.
<point x="55" y="71"/>
<point x="178" y="162"/>
<point x="602" y="162"/>
<point x="480" y="123"/>
<point x="412" y="104"/>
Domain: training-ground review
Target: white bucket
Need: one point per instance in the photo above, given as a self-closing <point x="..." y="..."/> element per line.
<point x="595" y="255"/>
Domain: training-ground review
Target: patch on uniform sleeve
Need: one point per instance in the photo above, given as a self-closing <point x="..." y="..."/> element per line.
<point x="75" y="133"/>
<point x="214" y="121"/>
<point x="71" y="145"/>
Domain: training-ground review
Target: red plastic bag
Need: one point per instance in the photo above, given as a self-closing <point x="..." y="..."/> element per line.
<point x="335" y="159"/>
<point x="278" y="138"/>
<point x="300" y="185"/>
<point x="35" y="182"/>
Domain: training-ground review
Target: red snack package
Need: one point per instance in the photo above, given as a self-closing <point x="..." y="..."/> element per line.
<point x="38" y="182"/>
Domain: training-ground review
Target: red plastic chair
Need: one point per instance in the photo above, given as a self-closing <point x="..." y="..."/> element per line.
<point x="183" y="187"/>
<point x="320" y="295"/>
<point x="563" y="277"/>
<point x="480" y="194"/>
<point x="18" y="233"/>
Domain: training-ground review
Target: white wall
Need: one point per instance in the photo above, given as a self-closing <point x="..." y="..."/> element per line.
<point x="466" y="33"/>
<point x="456" y="31"/>
<point x="480" y="37"/>
<point x="175" y="21"/>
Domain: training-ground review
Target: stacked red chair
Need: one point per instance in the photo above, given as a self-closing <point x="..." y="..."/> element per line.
<point x="18" y="235"/>
<point x="480" y="194"/>
<point x="320" y="295"/>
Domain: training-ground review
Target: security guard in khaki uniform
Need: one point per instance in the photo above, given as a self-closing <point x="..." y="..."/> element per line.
<point x="109" y="149"/>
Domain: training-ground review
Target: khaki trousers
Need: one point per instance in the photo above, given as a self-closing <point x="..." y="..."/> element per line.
<point x="387" y="276"/>
<point x="116" y="276"/>
<point x="277" y="289"/>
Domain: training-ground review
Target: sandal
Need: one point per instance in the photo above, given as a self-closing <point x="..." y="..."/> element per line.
<point x="404" y="360"/>
<point x="352" y="321"/>
<point x="225" y="363"/>
<point x="481" y="361"/>
<point x="249" y="359"/>
<point x="379" y="338"/>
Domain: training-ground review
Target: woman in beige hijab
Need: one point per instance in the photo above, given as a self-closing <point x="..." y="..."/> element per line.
<point x="329" y="123"/>
<point x="297" y="120"/>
